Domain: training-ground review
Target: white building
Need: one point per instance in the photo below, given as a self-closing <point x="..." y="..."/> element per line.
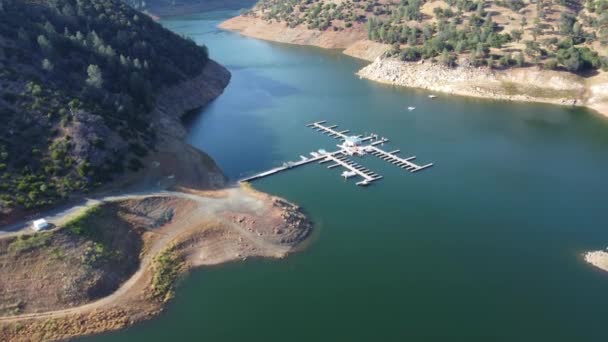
<point x="40" y="224"/>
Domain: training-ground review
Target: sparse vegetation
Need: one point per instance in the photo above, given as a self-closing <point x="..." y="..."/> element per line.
<point x="166" y="267"/>
<point x="572" y="35"/>
<point x="28" y="242"/>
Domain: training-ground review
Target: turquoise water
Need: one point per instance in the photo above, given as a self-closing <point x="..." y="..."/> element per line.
<point x="485" y="246"/>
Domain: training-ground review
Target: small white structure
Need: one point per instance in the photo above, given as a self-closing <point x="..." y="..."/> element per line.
<point x="352" y="141"/>
<point x="348" y="174"/>
<point x="411" y="108"/>
<point x="40" y="224"/>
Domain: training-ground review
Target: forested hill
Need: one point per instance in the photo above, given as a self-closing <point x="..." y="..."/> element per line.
<point x="78" y="79"/>
<point x="553" y="34"/>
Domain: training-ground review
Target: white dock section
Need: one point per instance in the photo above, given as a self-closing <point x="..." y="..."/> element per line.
<point x="368" y="175"/>
<point x="286" y="166"/>
<point x="329" y="130"/>
<point x="393" y="159"/>
<point x="341" y="135"/>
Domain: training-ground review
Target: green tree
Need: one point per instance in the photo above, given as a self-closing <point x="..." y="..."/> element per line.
<point x="519" y="59"/>
<point x="95" y="78"/>
<point x="47" y="65"/>
<point x="516" y="34"/>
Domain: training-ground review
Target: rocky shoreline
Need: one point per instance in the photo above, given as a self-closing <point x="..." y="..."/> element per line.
<point x="519" y="84"/>
<point x="598" y="259"/>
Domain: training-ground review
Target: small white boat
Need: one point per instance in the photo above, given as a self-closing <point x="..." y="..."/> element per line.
<point x="348" y="174"/>
<point x="411" y="108"/>
<point x="432" y="96"/>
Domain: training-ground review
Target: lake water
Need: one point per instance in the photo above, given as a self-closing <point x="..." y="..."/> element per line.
<point x="484" y="246"/>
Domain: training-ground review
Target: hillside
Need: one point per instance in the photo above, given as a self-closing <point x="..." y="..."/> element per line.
<point x="555" y="34"/>
<point x="79" y="87"/>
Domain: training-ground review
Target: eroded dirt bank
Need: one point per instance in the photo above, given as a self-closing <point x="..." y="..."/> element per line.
<point x="353" y="41"/>
<point x="176" y="231"/>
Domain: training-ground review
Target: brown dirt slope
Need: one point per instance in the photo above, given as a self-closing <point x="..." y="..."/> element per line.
<point x="55" y="270"/>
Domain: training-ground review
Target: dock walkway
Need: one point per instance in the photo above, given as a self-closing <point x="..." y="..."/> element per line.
<point x="286" y="166"/>
<point x="393" y="159"/>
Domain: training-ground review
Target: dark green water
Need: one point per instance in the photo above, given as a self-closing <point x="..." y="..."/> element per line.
<point x="485" y="246"/>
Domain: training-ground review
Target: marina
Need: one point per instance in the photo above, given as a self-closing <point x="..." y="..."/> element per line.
<point x="354" y="145"/>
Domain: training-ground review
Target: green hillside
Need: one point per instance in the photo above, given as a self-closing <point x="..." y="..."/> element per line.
<point x="78" y="79"/>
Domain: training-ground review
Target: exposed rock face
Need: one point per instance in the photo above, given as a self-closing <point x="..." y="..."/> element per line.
<point x="196" y="170"/>
<point x="88" y="131"/>
<point x="194" y="93"/>
<point x="522" y="84"/>
<point x="597" y="93"/>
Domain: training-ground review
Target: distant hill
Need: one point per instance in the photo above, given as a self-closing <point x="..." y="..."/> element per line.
<point x="564" y="34"/>
<point x="177" y="7"/>
<point x="78" y="80"/>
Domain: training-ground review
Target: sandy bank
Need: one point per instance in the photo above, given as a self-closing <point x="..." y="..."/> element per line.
<point x="518" y="84"/>
<point x="598" y="259"/>
<point x="353" y="40"/>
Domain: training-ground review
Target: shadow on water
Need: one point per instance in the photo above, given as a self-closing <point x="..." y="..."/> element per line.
<point x="247" y="96"/>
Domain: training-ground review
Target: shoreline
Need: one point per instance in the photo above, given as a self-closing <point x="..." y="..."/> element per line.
<point x="516" y="84"/>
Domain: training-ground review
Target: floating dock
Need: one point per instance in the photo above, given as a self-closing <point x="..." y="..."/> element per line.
<point x="354" y="145"/>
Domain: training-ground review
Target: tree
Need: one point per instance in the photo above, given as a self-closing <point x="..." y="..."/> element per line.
<point x="566" y="23"/>
<point x="95" y="78"/>
<point x="516" y="34"/>
<point x="490" y="61"/>
<point x="519" y="59"/>
<point x="47" y="65"/>
<point x="44" y="44"/>
<point x="446" y="58"/>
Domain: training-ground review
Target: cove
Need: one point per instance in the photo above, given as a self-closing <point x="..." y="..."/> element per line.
<point x="484" y="246"/>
